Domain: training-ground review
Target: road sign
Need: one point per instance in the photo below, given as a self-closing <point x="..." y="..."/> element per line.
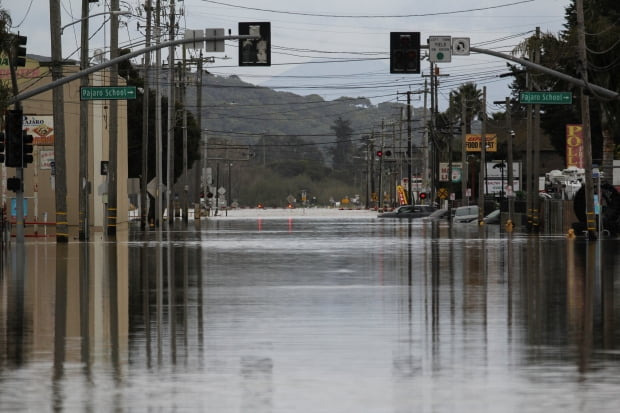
<point x="443" y="193"/>
<point x="107" y="92"/>
<point x="546" y="98"/>
<point x="460" y="46"/>
<point x="440" y="49"/>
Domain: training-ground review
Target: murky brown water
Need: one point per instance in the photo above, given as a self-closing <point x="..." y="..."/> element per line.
<point x="312" y="314"/>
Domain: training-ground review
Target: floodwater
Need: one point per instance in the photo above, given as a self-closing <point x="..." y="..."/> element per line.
<point x="311" y="313"/>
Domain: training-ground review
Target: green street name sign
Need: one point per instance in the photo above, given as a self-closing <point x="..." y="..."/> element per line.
<point x="107" y="92"/>
<point x="546" y="98"/>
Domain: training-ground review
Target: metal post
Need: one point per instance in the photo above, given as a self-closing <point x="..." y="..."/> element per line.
<point x="145" y="122"/>
<point x="113" y="143"/>
<point x="483" y="158"/>
<point x="84" y="150"/>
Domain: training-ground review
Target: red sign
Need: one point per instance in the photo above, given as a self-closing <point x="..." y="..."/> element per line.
<point x="574" y="146"/>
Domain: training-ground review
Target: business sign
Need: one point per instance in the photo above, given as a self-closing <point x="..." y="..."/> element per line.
<point x="444" y="171"/>
<point x="574" y="146"/>
<point x="472" y="142"/>
<point x="46" y="157"/>
<point x="41" y="127"/>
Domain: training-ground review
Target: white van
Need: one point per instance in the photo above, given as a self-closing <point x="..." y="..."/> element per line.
<point x="465" y="214"/>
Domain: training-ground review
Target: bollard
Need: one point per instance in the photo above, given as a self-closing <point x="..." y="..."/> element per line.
<point x="509" y="225"/>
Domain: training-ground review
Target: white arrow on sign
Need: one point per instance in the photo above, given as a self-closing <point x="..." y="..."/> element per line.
<point x="460" y="46"/>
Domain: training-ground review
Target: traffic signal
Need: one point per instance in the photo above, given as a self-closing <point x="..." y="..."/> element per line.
<point x="405" y="52"/>
<point x="255" y="52"/>
<point x="422" y="195"/>
<point x="2" y="137"/>
<point x="26" y="148"/>
<point x="387" y="153"/>
<point x="20" y="50"/>
<point x="13" y="145"/>
<point x="379" y="154"/>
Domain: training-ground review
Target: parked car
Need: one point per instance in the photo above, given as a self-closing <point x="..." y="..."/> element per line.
<point x="439" y="215"/>
<point x="493" y="217"/>
<point x="465" y="214"/>
<point x="409" y="211"/>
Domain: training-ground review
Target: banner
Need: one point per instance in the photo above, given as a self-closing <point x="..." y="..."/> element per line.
<point x="574" y="146"/>
<point x="402" y="196"/>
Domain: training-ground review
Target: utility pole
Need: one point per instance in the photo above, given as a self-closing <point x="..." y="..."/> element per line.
<point x="60" y="164"/>
<point x="536" y="165"/>
<point x="483" y="160"/>
<point x="185" y="178"/>
<point x="585" y="120"/>
<point x="171" y="122"/>
<point x="203" y="142"/>
<point x="113" y="143"/>
<point x="145" y="122"/>
<point x="84" y="150"/>
<point x="528" y="154"/>
<point x="464" y="166"/>
<point x="409" y="149"/>
<point x="510" y="132"/>
<point x="158" y="121"/>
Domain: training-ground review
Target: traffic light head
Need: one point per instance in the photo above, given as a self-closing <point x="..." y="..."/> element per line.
<point x="26" y="149"/>
<point x="379" y="154"/>
<point x="422" y="195"/>
<point x="2" y="138"/>
<point x="19" y="48"/>
<point x="405" y="52"/>
<point x="13" y="146"/>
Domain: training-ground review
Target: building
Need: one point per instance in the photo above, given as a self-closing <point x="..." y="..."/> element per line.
<point x="39" y="177"/>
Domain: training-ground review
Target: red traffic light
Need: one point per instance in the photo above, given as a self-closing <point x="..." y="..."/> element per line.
<point x="422" y="195"/>
<point x="379" y="154"/>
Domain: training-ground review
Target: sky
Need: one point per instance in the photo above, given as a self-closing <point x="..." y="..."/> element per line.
<point x="332" y="48"/>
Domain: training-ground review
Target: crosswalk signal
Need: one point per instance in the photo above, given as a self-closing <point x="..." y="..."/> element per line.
<point x="405" y="52"/>
<point x="2" y="138"/>
<point x="13" y="145"/>
<point x="26" y="148"/>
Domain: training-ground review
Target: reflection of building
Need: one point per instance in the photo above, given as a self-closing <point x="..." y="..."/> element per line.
<point x="39" y="176"/>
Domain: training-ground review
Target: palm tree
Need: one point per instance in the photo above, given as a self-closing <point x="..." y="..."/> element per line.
<point x="473" y="104"/>
<point x="5" y="46"/>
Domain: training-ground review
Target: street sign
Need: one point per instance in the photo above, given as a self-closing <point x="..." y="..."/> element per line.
<point x="460" y="46"/>
<point x="546" y="98"/>
<point x="107" y="92"/>
<point x="440" y="49"/>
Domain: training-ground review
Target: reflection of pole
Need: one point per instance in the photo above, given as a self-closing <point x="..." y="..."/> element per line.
<point x="171" y="123"/>
<point x="217" y="188"/>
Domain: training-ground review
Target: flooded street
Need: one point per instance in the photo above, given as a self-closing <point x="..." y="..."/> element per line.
<point x="308" y="312"/>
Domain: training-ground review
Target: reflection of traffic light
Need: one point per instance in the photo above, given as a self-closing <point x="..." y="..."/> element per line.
<point x="405" y="52"/>
<point x="379" y="154"/>
<point x="26" y="149"/>
<point x="2" y="137"/>
<point x="13" y="146"/>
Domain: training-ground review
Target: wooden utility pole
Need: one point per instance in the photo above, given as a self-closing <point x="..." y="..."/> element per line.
<point x="585" y="120"/>
<point x="113" y="138"/>
<point x="158" y="128"/>
<point x="84" y="147"/>
<point x="185" y="178"/>
<point x="463" y="149"/>
<point x="510" y="135"/>
<point x="171" y="122"/>
<point x="536" y="147"/>
<point x="483" y="157"/>
<point x="145" y="122"/>
<point x="60" y="164"/>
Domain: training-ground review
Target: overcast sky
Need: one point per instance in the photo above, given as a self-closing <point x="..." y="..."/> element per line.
<point x="308" y="36"/>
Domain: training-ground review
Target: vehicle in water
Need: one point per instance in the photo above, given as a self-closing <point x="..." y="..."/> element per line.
<point x="409" y="211"/>
<point x="465" y="214"/>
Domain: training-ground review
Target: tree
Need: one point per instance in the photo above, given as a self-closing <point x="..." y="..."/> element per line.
<point x="5" y="46"/>
<point x="342" y="152"/>
<point x="473" y="104"/>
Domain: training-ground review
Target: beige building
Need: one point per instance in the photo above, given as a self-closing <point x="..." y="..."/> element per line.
<point x="39" y="178"/>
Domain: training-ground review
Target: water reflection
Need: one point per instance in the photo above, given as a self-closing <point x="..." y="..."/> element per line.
<point x="290" y="314"/>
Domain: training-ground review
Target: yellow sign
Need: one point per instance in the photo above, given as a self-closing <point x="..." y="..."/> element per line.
<point x="472" y="142"/>
<point x="442" y="193"/>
